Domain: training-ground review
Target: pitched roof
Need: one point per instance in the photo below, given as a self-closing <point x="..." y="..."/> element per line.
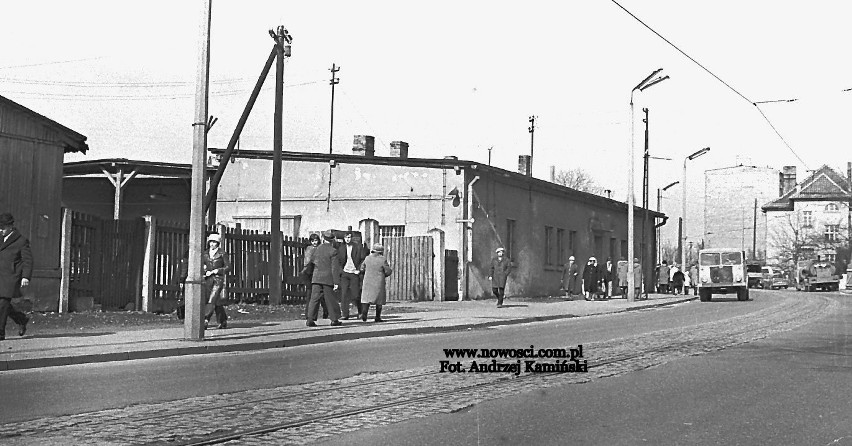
<point x="72" y="141"/>
<point x="824" y="184"/>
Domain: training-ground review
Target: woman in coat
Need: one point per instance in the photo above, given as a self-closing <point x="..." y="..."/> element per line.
<point x="216" y="264"/>
<point x="591" y="278"/>
<point x="570" y="271"/>
<point x="375" y="269"/>
<point x="637" y="279"/>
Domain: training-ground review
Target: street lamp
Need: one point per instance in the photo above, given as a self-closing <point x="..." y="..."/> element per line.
<point x="683" y="220"/>
<point x="659" y="209"/>
<point x="646" y="83"/>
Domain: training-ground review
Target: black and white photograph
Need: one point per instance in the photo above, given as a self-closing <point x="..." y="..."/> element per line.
<point x="384" y="223"/>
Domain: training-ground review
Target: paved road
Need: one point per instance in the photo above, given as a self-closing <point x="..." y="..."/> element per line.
<point x="253" y="390"/>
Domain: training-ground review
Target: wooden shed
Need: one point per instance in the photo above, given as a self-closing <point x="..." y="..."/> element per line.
<point x="32" y="148"/>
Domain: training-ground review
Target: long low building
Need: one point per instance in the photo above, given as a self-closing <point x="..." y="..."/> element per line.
<point x="469" y="209"/>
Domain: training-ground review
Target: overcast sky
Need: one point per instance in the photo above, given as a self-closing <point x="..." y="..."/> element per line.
<point x="453" y="78"/>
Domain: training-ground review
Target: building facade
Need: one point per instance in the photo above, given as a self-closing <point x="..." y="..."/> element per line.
<point x="469" y="208"/>
<point x="811" y="218"/>
<point x="733" y="197"/>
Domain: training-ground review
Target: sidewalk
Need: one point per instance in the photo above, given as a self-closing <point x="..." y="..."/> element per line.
<point x="34" y="350"/>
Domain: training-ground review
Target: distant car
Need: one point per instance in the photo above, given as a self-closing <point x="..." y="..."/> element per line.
<point x="773" y="279"/>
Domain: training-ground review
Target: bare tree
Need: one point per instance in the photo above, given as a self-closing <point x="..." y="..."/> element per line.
<point x="795" y="241"/>
<point x="577" y="178"/>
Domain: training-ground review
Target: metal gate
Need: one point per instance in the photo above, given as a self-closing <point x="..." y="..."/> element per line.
<point x="411" y="260"/>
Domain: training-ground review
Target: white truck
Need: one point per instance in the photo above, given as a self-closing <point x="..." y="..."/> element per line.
<point x="722" y="271"/>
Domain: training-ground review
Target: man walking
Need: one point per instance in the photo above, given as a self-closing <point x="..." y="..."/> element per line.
<point x="324" y="281"/>
<point x="16" y="268"/>
<point x="498" y="274"/>
<point x="350" y="257"/>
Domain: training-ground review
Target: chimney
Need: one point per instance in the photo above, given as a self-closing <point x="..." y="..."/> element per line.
<point x="399" y="149"/>
<point x="552" y="174"/>
<point x="523" y="164"/>
<point x="364" y="145"/>
<point x="788" y="179"/>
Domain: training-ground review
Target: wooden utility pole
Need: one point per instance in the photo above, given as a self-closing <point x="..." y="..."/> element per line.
<point x="334" y="81"/>
<point x="642" y="260"/>
<point x="282" y="49"/>
<point x="192" y="327"/>
<point x="532" y="135"/>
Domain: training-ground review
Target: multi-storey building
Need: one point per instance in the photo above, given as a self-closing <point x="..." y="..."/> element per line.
<point x="732" y="198"/>
<point x="810" y="218"/>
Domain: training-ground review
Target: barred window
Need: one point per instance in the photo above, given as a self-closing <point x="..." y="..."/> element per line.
<point x="560" y="246"/>
<point x="391" y="231"/>
<point x="510" y="237"/>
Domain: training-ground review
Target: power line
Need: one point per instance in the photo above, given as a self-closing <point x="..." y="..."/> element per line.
<point x="716" y="77"/>
<point x="51" y="63"/>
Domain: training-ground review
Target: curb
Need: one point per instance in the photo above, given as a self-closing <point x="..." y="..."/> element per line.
<point x="22" y="364"/>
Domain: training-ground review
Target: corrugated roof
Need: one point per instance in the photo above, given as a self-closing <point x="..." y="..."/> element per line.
<point x="73" y="141"/>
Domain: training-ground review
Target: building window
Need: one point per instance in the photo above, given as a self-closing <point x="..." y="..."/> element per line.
<point x="832" y="233"/>
<point x="831" y="258"/>
<point x="548" y="245"/>
<point x="391" y="231"/>
<point x="510" y="238"/>
<point x="807" y="218"/>
<point x="832" y="207"/>
<point x="572" y="241"/>
<point x="560" y="246"/>
<point x="613" y="245"/>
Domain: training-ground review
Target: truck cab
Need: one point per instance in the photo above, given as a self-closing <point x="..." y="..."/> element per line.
<point x="722" y="271"/>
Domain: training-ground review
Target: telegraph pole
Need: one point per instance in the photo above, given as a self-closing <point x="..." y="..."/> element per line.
<point x="334" y="81"/>
<point x="282" y="48"/>
<point x="754" y="234"/>
<point x="192" y="328"/>
<point x="532" y="134"/>
<point x="644" y="264"/>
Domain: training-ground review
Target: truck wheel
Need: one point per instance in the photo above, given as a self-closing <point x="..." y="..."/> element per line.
<point x="704" y="295"/>
<point x="742" y="293"/>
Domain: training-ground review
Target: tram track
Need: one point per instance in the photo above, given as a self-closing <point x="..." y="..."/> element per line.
<point x="739" y="330"/>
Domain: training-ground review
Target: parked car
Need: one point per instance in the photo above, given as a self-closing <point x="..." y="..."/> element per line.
<point x="773" y="278"/>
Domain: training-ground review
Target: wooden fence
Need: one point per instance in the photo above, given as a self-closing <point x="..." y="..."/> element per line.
<point x="411" y="260"/>
<point x="106" y="260"/>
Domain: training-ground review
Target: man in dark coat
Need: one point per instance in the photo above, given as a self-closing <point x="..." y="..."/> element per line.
<point x="570" y="273"/>
<point x="499" y="272"/>
<point x="16" y="269"/>
<point x="350" y="255"/>
<point x="324" y="281"/>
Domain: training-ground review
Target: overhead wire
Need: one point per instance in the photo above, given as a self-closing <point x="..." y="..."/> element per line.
<point x="717" y="78"/>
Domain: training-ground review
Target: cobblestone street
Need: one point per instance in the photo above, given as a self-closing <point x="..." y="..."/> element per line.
<point x="300" y="414"/>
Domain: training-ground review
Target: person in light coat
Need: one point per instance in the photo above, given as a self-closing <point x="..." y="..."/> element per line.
<point x="570" y="273"/>
<point x="375" y="269"/>
<point x="499" y="274"/>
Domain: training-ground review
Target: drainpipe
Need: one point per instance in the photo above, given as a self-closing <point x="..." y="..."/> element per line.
<point x="468" y="257"/>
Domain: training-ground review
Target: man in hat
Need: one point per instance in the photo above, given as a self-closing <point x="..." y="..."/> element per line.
<point x="591" y="278"/>
<point x="324" y="281"/>
<point x="570" y="271"/>
<point x="350" y="255"/>
<point x="16" y="268"/>
<point x="499" y="273"/>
